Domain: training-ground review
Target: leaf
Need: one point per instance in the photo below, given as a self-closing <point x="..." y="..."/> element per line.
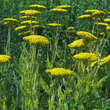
<point x="44" y="85"/>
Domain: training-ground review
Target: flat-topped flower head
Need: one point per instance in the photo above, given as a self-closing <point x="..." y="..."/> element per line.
<point x="85" y="17"/>
<point x="101" y="24"/>
<point x="86" y="56"/>
<point x="28" y="17"/>
<point x="90" y="11"/>
<point x="54" y="25"/>
<point x="37" y="6"/>
<point x="70" y="28"/>
<point x="24" y="33"/>
<point x="105" y="60"/>
<point x="29" y="22"/>
<point x="86" y="35"/>
<point x="4" y="58"/>
<point x="30" y="12"/>
<point x="77" y="43"/>
<point x="10" y="21"/>
<point x="20" y="28"/>
<point x="64" y="6"/>
<point x="98" y="13"/>
<point x="59" y="10"/>
<point x="107" y="20"/>
<point x="59" y="71"/>
<point x="36" y="39"/>
<point x="108" y="28"/>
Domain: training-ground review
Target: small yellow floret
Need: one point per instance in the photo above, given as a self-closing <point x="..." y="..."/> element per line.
<point x="105" y="60"/>
<point x="70" y="28"/>
<point x="59" y="71"/>
<point x="86" y="35"/>
<point x="4" y="58"/>
<point x="86" y="56"/>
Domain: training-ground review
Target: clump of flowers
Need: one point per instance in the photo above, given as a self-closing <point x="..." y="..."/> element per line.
<point x="36" y="39"/>
<point x="27" y="17"/>
<point x="54" y="24"/>
<point x="59" y="71"/>
<point x="64" y="6"/>
<point x="10" y="21"/>
<point x="101" y="24"/>
<point x="86" y="16"/>
<point x="59" y="10"/>
<point x="87" y="35"/>
<point x="37" y="6"/>
<point x="105" y="60"/>
<point x="24" y="33"/>
<point x="4" y="58"/>
<point x="20" y="27"/>
<point x="77" y="43"/>
<point x="107" y="20"/>
<point x="30" y="12"/>
<point x="86" y="56"/>
<point x="29" y="22"/>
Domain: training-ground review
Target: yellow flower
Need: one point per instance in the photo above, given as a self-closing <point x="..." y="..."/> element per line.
<point x="64" y="6"/>
<point x="96" y="19"/>
<point x="102" y="33"/>
<point x="84" y="17"/>
<point x="107" y="20"/>
<point x="30" y="12"/>
<point x="70" y="28"/>
<point x="24" y="33"/>
<point x="77" y="43"/>
<point x="4" y="58"/>
<point x="86" y="56"/>
<point x="86" y="35"/>
<point x="37" y="6"/>
<point x="38" y="26"/>
<point x="10" y="21"/>
<point x="20" y="28"/>
<point x="98" y="13"/>
<point x="108" y="28"/>
<point x="37" y="39"/>
<point x="59" y="10"/>
<point x="105" y="60"/>
<point x="93" y="64"/>
<point x="54" y="24"/>
<point x="29" y="22"/>
<point x="90" y="11"/>
<point x="101" y="24"/>
<point x="59" y="71"/>
<point x="27" y="17"/>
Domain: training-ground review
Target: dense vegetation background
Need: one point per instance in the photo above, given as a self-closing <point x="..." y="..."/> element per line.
<point x="10" y="79"/>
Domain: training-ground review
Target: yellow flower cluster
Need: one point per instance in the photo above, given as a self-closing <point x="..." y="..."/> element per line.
<point x="10" y="21"/>
<point x="54" y="24"/>
<point x="59" y="10"/>
<point x="4" y="58"/>
<point x="105" y="60"/>
<point x="30" y="12"/>
<point x="101" y="24"/>
<point x="59" y="71"/>
<point x="77" y="43"/>
<point x="70" y="28"/>
<point x="64" y="6"/>
<point x="27" y="17"/>
<point x="20" y="28"/>
<point x="107" y="20"/>
<point x="86" y="35"/>
<point x="24" y="33"/>
<point x="37" y="39"/>
<point x="29" y="22"/>
<point x="86" y="56"/>
<point x="37" y="6"/>
<point x="86" y="16"/>
<point x="90" y="11"/>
